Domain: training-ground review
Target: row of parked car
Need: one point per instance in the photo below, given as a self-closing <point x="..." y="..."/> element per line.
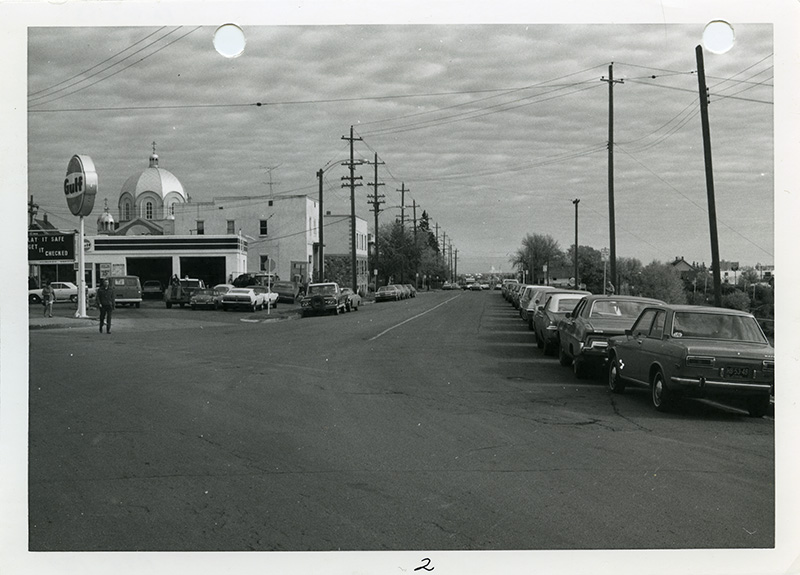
<point x="674" y="350"/>
<point x="395" y="292"/>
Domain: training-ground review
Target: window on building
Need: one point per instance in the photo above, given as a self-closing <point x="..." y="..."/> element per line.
<point x="201" y="227"/>
<point x="262" y="228"/>
<point x="231" y="226"/>
<point x="148" y="210"/>
<point x="126" y="211"/>
<point x="172" y="209"/>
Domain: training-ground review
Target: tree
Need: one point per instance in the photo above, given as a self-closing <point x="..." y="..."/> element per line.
<point x="537" y="251"/>
<point x="628" y="270"/>
<point x="661" y="281"/>
<point x="590" y="267"/>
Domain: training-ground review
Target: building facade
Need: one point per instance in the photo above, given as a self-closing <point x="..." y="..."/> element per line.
<point x="282" y="233"/>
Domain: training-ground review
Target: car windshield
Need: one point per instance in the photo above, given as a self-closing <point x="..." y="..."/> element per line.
<point x="190" y="283"/>
<point x="386" y="288"/>
<point x="282" y="286"/>
<point x="716" y="326"/>
<point x="204" y="292"/>
<point x="321" y="289"/>
<point x="240" y="290"/>
<point x="617" y="308"/>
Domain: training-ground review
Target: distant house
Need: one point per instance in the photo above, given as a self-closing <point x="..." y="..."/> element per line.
<point x="686" y="270"/>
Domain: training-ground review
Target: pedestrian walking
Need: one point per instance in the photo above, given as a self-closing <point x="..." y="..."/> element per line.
<point x="48" y="299"/>
<point x="105" y="301"/>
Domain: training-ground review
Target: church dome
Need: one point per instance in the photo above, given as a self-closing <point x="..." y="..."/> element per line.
<point x="105" y="221"/>
<point x="153" y="179"/>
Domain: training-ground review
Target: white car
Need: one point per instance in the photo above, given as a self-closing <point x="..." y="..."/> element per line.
<point x="243" y="298"/>
<point x="270" y="297"/>
<point x="65" y="291"/>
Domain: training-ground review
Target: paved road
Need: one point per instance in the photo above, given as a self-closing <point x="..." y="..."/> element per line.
<point x="432" y="423"/>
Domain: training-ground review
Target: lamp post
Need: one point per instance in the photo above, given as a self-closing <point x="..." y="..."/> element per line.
<point x="576" y="201"/>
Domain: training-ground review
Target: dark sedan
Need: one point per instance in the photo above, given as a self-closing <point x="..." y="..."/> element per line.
<point x="583" y="334"/>
<point x="557" y="304"/>
<point x="695" y="351"/>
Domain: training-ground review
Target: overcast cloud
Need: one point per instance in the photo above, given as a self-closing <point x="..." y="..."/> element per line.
<point x="495" y="129"/>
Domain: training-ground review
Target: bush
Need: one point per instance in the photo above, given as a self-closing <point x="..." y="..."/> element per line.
<point x="736" y="300"/>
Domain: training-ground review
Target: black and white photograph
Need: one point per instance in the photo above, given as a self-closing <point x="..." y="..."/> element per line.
<point x="461" y="289"/>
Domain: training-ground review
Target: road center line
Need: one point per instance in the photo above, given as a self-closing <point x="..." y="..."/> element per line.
<point x="413" y="318"/>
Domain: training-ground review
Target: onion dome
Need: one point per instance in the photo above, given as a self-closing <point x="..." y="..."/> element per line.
<point x="153" y="179"/>
<point x="105" y="221"/>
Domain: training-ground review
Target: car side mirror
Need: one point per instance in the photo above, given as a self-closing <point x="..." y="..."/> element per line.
<point x="628" y="332"/>
<point x="539" y="308"/>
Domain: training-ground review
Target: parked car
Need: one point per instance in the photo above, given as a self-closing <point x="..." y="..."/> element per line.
<point x="475" y="286"/>
<point x="353" y="299"/>
<point x="210" y="298"/>
<point x="244" y="297"/>
<point x="248" y="279"/>
<point x="449" y="286"/>
<point x="507" y="283"/>
<point x="526" y="307"/>
<point x="324" y="297"/>
<point x="412" y="291"/>
<point x="270" y="298"/>
<point x="64" y="291"/>
<point x="389" y="293"/>
<point x="557" y="304"/>
<point x="127" y="290"/>
<point x="181" y="292"/>
<point x="288" y="292"/>
<point x="152" y="289"/>
<point x="583" y="334"/>
<point x="695" y="351"/>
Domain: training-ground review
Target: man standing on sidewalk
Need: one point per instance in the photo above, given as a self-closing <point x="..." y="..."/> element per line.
<point x="48" y="298"/>
<point x="105" y="301"/>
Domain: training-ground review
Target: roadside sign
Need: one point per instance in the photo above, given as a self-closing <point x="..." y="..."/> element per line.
<point x="605" y="254"/>
<point x="51" y="247"/>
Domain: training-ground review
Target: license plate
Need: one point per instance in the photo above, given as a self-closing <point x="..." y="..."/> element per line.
<point x="736" y="372"/>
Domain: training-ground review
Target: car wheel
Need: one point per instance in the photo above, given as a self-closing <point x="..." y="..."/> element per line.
<point x="194" y="307"/>
<point x="563" y="358"/>
<point x="661" y="394"/>
<point x="253" y="308"/>
<point x="355" y="308"/>
<point x="73" y="298"/>
<point x="547" y="348"/>
<point x="33" y="298"/>
<point x="530" y="324"/>
<point x="169" y="305"/>
<point x="336" y="310"/>
<point x="539" y="342"/>
<point x="758" y="406"/>
<point x="136" y="304"/>
<point x="615" y="383"/>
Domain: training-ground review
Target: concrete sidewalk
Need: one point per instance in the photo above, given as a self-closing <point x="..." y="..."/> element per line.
<point x="62" y="318"/>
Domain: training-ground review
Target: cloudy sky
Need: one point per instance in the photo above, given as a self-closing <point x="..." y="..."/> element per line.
<point x="494" y="129"/>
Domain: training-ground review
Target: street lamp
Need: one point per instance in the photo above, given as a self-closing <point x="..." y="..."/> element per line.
<point x="576" y="201"/>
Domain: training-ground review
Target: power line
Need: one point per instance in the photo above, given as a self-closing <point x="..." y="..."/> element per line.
<point x="121" y="70"/>
<point x="98" y="64"/>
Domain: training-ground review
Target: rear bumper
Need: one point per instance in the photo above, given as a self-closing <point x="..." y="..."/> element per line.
<point x="721" y="387"/>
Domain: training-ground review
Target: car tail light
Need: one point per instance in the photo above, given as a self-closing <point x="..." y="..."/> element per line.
<point x="699" y="361"/>
<point x="599" y="342"/>
<point x="769" y="365"/>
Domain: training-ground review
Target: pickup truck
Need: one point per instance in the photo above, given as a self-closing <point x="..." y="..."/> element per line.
<point x="181" y="293"/>
<point x="323" y="298"/>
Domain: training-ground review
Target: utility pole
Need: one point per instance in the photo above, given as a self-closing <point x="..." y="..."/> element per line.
<point x="376" y="202"/>
<point x="712" y="205"/>
<point x="455" y="265"/>
<point x="352" y="184"/>
<point x="576" y="201"/>
<point x="320" y="252"/>
<point x="611" y="224"/>
<point x="444" y="251"/>
<point x="33" y="209"/>
<point x="402" y="191"/>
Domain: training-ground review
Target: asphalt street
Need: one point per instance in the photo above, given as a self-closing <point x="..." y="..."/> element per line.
<point x="431" y="423"/>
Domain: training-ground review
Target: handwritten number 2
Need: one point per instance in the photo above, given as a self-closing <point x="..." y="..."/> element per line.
<point x="425" y="564"/>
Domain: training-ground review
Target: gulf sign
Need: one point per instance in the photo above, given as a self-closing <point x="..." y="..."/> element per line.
<point x="80" y="185"/>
